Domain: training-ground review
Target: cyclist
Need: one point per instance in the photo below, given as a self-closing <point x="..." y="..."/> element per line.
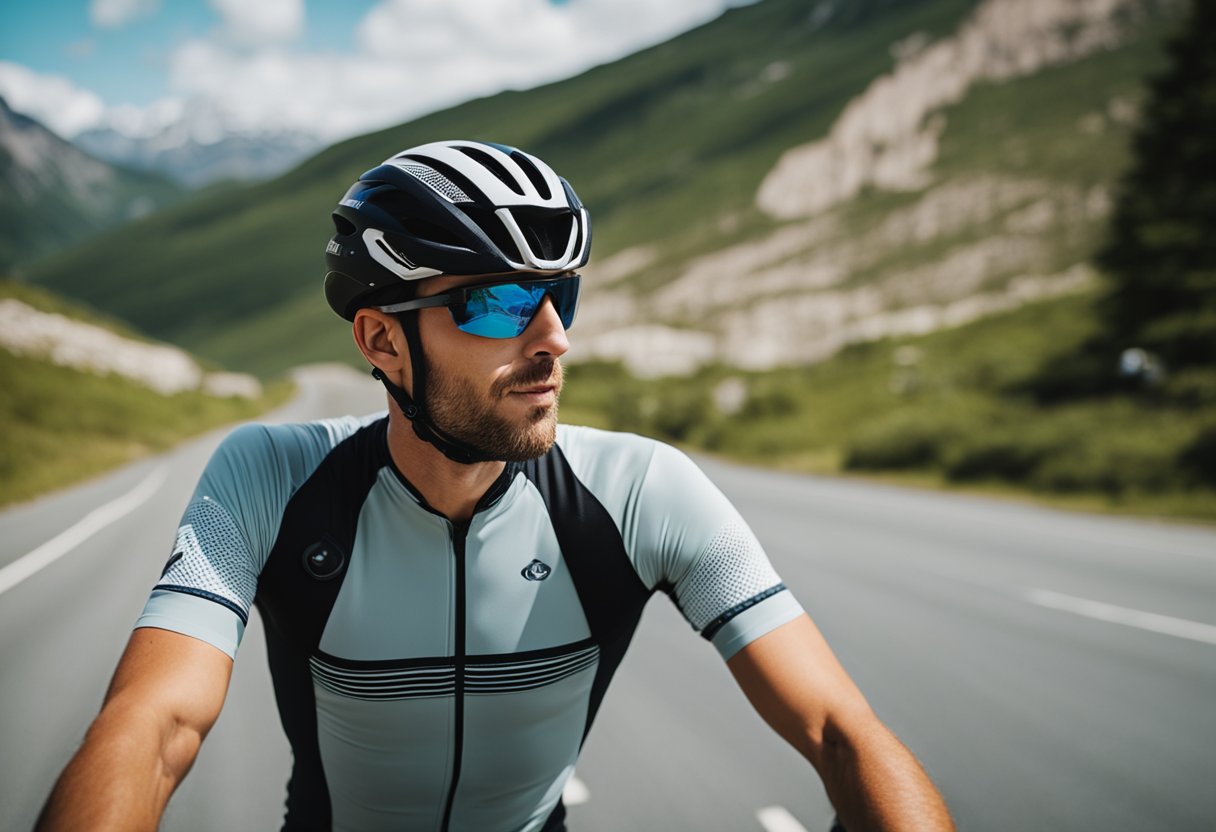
<point x="448" y="588"/>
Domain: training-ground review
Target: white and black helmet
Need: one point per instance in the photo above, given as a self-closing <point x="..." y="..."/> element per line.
<point x="451" y="207"/>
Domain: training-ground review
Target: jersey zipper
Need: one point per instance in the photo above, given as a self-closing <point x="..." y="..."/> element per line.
<point x="460" y="532"/>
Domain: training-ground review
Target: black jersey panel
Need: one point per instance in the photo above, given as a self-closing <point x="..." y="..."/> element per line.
<point x="296" y="591"/>
<point x="610" y="591"/>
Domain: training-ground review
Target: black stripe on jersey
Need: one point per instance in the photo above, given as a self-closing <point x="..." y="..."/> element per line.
<point x="408" y="682"/>
<point x="414" y="678"/>
<point x="480" y="670"/>
<point x="609" y="590"/>
<point x="557" y="651"/>
<point x="527" y="676"/>
<point x="295" y="606"/>
<point x="712" y="628"/>
<point x="210" y="596"/>
<point x="367" y="665"/>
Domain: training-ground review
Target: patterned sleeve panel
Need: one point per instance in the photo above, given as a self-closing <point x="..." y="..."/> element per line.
<point x="700" y="547"/>
<point x="230" y="525"/>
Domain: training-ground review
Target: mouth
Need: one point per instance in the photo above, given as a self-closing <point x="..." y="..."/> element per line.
<point x="535" y="385"/>
<point x="537" y="394"/>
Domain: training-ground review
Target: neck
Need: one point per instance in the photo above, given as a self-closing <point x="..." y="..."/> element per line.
<point x="451" y="488"/>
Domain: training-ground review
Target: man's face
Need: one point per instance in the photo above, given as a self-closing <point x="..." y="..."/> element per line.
<point x="498" y="395"/>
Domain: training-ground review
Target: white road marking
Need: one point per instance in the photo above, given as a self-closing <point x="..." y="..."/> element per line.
<point x="89" y="525"/>
<point x="777" y="819"/>
<point x="576" y="792"/>
<point x="1167" y="625"/>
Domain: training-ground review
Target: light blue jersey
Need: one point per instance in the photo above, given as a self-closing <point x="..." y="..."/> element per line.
<point x="434" y="675"/>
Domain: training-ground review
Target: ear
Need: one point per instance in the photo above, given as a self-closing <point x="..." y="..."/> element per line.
<point x="381" y="340"/>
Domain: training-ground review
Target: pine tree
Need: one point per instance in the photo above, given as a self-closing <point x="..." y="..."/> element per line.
<point x="1161" y="252"/>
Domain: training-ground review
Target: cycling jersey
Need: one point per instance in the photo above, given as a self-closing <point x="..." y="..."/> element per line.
<point x="441" y="675"/>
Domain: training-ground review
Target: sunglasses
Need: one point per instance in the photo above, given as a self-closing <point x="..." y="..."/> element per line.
<point x="501" y="309"/>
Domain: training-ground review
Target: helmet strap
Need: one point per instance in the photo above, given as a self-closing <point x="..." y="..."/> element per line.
<point x="414" y="407"/>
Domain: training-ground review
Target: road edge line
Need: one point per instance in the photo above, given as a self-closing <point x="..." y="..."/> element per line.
<point x="1151" y="621"/>
<point x="778" y="819"/>
<point x="33" y="562"/>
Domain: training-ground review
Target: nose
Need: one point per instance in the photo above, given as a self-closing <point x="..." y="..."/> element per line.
<point x="545" y="334"/>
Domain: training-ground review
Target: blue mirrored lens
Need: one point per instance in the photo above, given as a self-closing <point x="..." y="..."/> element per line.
<point x="505" y="310"/>
<point x="502" y="311"/>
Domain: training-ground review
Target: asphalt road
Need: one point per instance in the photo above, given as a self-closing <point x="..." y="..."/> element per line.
<point x="1053" y="671"/>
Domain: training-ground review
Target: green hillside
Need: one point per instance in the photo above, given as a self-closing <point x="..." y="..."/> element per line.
<point x="972" y="277"/>
<point x="62" y="425"/>
<point x="659" y="145"/>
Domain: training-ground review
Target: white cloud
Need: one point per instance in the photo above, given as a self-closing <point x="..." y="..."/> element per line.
<point x="110" y="14"/>
<point x="51" y="99"/>
<point x="143" y="122"/>
<point x="259" y="21"/>
<point x="412" y="57"/>
<point x="415" y="56"/>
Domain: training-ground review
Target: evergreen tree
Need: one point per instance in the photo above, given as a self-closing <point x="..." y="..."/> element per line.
<point x="1161" y="252"/>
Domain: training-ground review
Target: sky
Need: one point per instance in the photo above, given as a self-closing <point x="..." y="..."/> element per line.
<point x="332" y="68"/>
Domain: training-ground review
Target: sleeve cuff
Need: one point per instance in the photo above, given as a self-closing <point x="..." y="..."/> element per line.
<point x="193" y="616"/>
<point x="755" y="621"/>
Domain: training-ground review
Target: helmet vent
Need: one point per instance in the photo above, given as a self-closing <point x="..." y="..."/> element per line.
<point x="343" y="226"/>
<point x="492" y="227"/>
<point x="546" y="231"/>
<point x="538" y="181"/>
<point x="493" y="166"/>
<point x="437" y="181"/>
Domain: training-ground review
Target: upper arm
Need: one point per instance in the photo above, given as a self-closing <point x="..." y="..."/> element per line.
<point x="795" y="682"/>
<point x="172" y="679"/>
<point x="690" y="540"/>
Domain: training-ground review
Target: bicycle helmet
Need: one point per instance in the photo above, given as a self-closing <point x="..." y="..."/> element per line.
<point x="454" y="208"/>
<point x="451" y="207"/>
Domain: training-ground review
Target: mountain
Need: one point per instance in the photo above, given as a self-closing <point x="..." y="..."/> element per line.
<point x="53" y="194"/>
<point x="766" y="189"/>
<point x="193" y="146"/>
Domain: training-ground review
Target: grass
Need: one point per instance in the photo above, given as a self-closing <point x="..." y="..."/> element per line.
<point x="63" y="425"/>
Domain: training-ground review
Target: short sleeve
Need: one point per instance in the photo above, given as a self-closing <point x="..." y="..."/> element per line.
<point x="230" y="526"/>
<point x="209" y="581"/>
<point x="692" y="541"/>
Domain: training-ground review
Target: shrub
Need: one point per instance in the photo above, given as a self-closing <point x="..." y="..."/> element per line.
<point x="680" y="411"/>
<point x="1197" y="460"/>
<point x="900" y="441"/>
<point x="1114" y="462"/>
<point x="999" y="454"/>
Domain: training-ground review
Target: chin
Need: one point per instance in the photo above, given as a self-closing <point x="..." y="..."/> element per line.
<point x="537" y="438"/>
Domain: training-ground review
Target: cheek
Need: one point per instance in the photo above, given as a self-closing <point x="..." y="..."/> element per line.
<point x="482" y="361"/>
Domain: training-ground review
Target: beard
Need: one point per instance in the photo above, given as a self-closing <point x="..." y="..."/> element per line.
<point x="460" y="409"/>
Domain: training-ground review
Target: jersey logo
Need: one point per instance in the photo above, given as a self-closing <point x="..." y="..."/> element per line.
<point x="323" y="560"/>
<point x="536" y="571"/>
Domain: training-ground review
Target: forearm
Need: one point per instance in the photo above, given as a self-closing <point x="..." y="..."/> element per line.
<point x="123" y="774"/>
<point x="875" y="783"/>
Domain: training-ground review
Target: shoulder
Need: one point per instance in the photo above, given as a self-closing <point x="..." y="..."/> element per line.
<point x="303" y="438"/>
<point x="627" y="473"/>
<point x="596" y="454"/>
<point x="580" y="440"/>
<point x="287" y="452"/>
